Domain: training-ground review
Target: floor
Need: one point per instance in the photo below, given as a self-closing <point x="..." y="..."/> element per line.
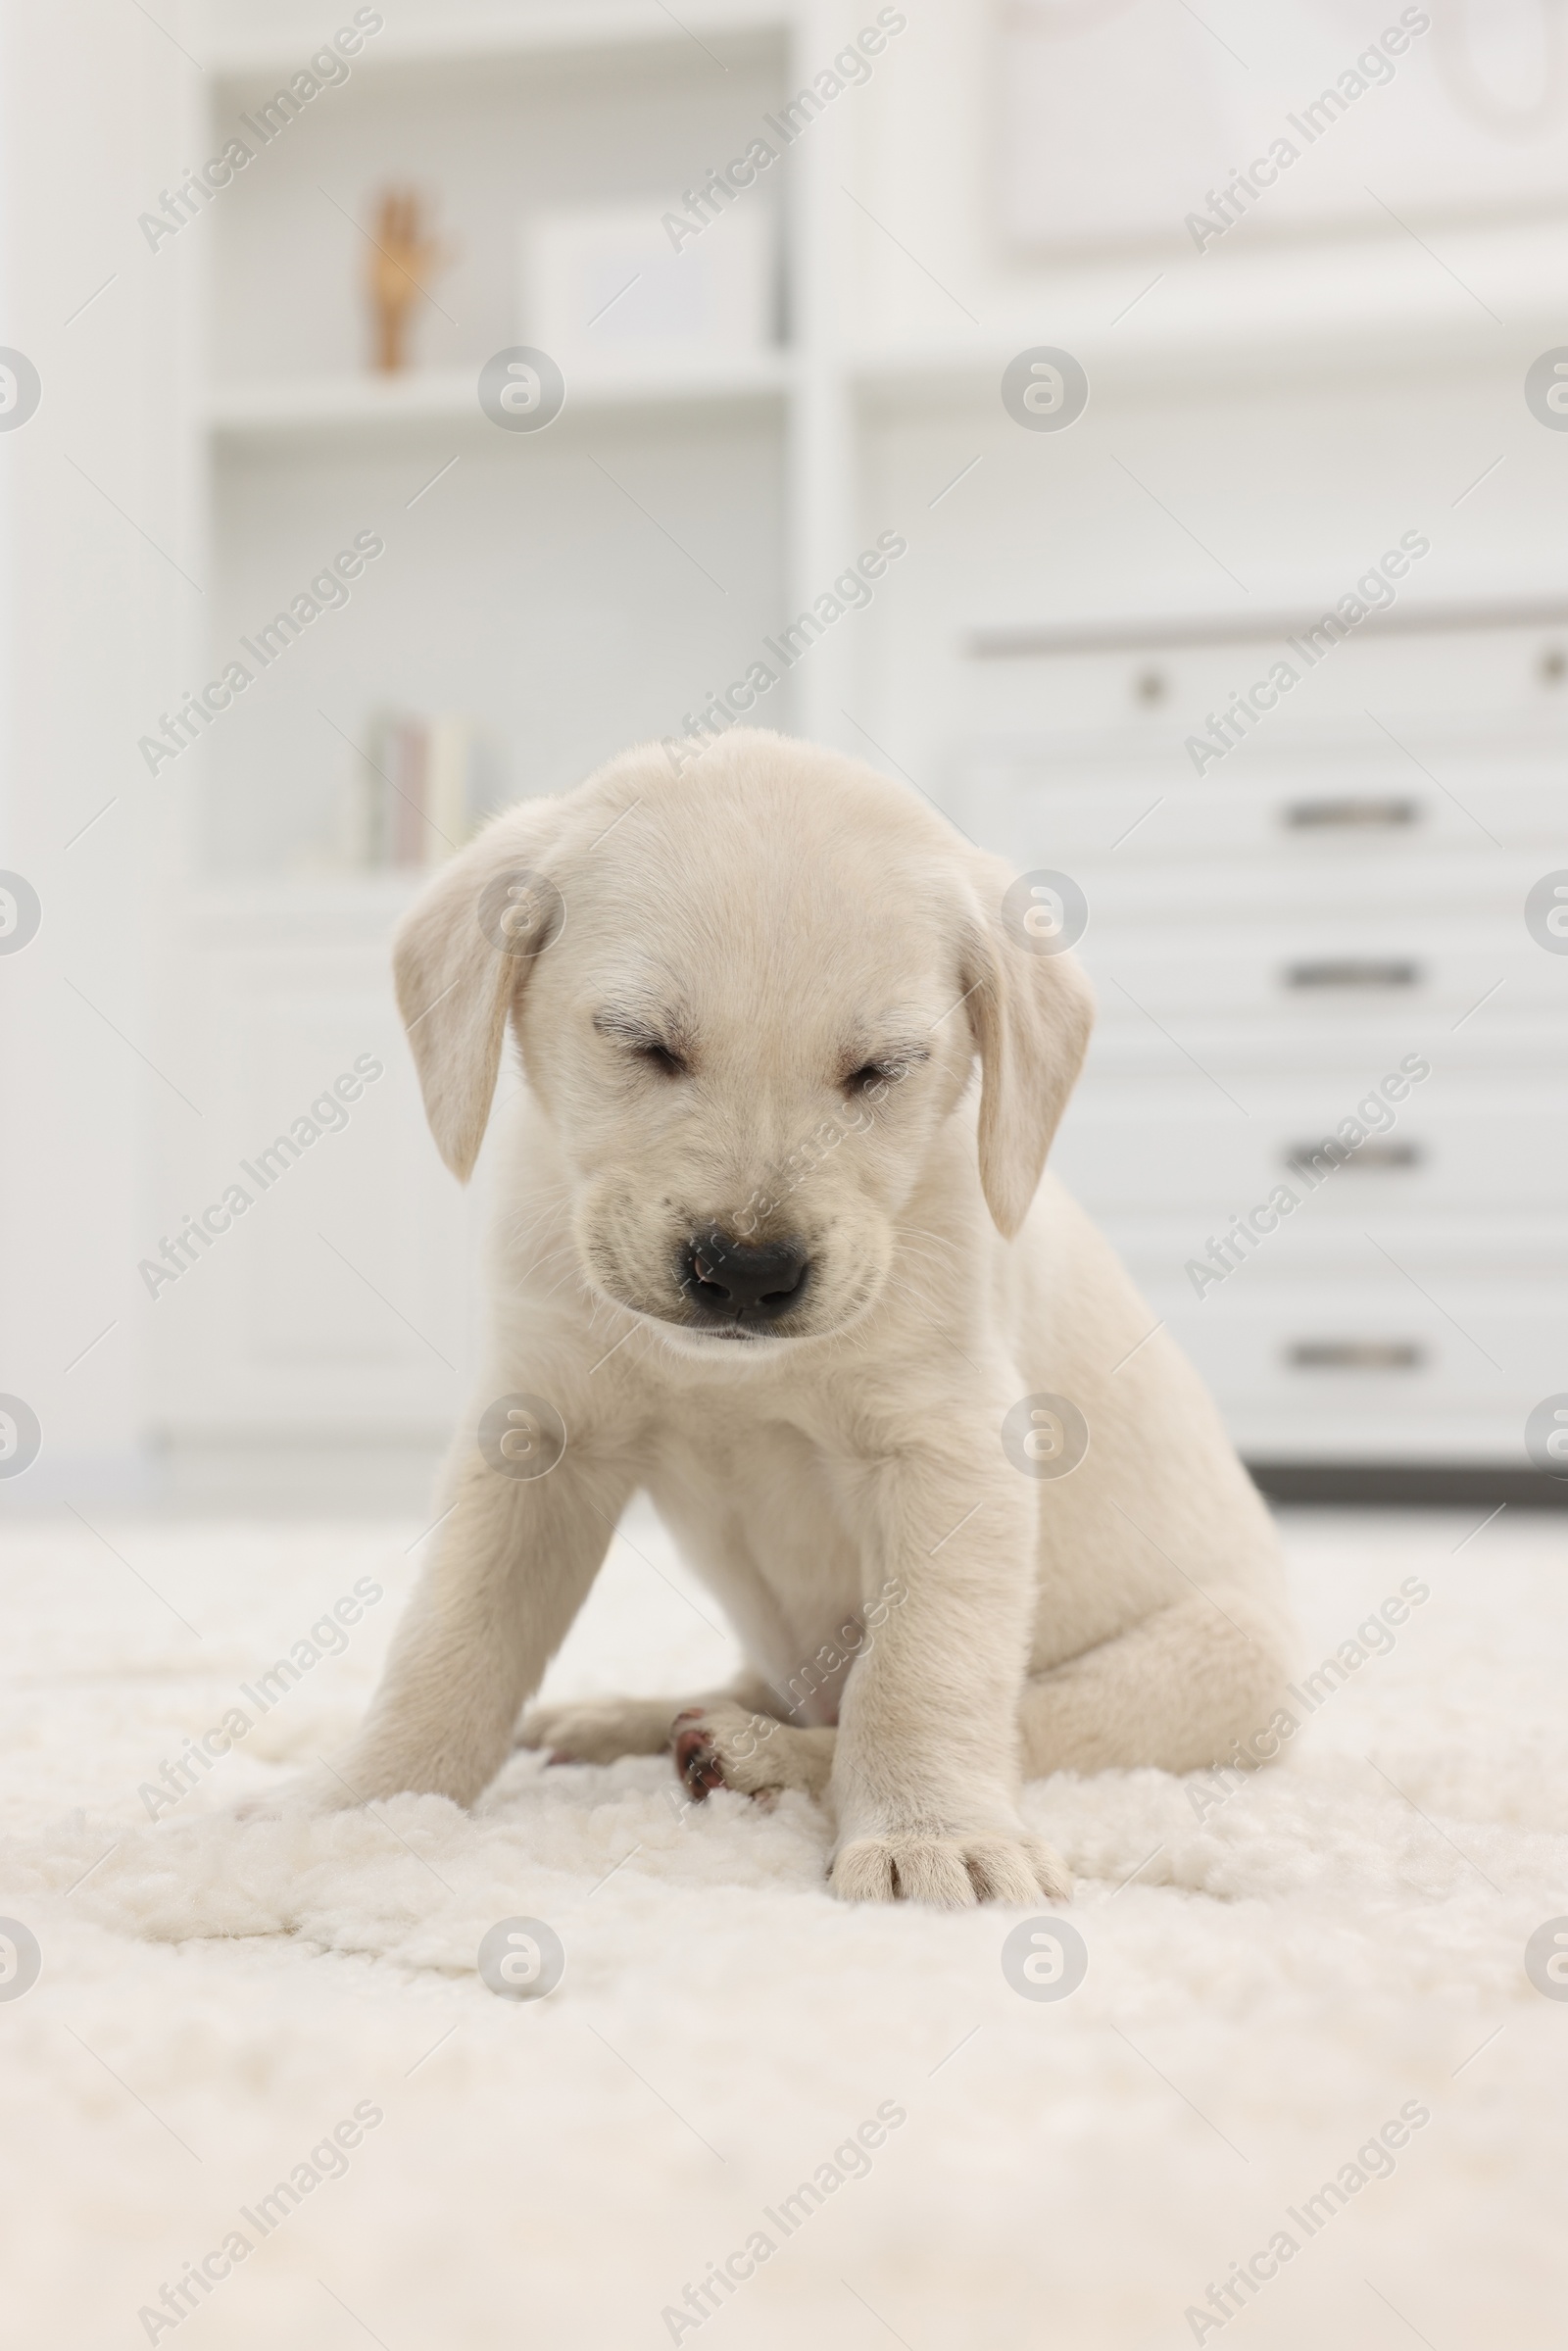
<point x="1314" y="1977"/>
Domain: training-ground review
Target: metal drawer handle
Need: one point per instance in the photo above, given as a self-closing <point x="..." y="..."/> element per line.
<point x="1356" y="1354"/>
<point x="1352" y="971"/>
<point x="1302" y="815"/>
<point x="1369" y="1154"/>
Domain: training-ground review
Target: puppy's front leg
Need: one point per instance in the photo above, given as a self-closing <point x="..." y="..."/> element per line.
<point x="516" y="1560"/>
<point x="926" y="1770"/>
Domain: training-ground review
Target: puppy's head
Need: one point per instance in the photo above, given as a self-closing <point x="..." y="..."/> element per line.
<point x="749" y="996"/>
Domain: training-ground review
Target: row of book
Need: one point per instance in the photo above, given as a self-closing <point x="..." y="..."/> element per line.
<point x="417" y="791"/>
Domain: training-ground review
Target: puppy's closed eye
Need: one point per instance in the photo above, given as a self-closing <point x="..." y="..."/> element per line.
<point x="641" y="1043"/>
<point x="874" y="1077"/>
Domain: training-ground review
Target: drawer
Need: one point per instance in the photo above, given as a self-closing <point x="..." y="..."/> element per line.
<point x="1369" y="1369"/>
<point x="1211" y="1058"/>
<point x="1343" y="812"/>
<point x="1291" y="975"/>
<point x="1433" y="895"/>
<point x="1489" y="683"/>
<point x="1444" y="1147"/>
<point x="1520" y="1259"/>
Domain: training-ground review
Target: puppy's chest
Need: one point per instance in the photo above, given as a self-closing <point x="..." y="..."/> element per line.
<point x="757" y="1514"/>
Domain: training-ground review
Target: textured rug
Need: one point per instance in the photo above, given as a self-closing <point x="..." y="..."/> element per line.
<point x="1307" y="2089"/>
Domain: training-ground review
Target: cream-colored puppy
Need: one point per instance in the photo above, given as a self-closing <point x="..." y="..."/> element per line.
<point x="766" y="1250"/>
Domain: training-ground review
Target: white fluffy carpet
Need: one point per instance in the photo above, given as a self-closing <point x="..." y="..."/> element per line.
<point x="1267" y="1988"/>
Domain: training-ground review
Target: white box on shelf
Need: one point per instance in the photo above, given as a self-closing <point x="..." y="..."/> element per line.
<point x="604" y="288"/>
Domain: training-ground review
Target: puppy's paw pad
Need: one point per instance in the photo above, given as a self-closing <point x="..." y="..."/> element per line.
<point x="697" y="1758"/>
<point x="724" y="1747"/>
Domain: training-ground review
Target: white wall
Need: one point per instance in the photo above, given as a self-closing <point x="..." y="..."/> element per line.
<point x="94" y="532"/>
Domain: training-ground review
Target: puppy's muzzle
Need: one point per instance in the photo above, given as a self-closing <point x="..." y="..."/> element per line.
<point x="742" y="1285"/>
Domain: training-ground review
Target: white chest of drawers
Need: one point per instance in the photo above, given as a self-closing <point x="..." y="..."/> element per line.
<point x="1266" y="945"/>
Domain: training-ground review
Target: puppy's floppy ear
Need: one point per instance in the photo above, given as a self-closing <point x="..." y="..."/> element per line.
<point x="461" y="954"/>
<point x="1029" y="1014"/>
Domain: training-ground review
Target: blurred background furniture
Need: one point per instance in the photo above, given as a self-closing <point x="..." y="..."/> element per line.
<point x="1268" y="414"/>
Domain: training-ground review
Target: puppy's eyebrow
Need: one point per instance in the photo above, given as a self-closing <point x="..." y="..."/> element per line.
<point x="644" y="1024"/>
<point x="902" y="1050"/>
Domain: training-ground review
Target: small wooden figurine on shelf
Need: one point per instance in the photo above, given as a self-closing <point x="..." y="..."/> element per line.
<point x="404" y="258"/>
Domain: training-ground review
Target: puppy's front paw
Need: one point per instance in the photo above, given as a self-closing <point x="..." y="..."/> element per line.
<point x="724" y="1747"/>
<point x="950" y="1872"/>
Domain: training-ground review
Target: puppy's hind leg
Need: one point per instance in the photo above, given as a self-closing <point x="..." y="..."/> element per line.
<point x="1182" y="1689"/>
<point x="598" y="1729"/>
<point x="724" y="1745"/>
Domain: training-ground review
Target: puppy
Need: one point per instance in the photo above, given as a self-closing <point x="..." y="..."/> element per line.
<point x="767" y="1249"/>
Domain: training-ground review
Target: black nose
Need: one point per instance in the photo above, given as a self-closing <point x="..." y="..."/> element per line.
<point x="742" y="1281"/>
